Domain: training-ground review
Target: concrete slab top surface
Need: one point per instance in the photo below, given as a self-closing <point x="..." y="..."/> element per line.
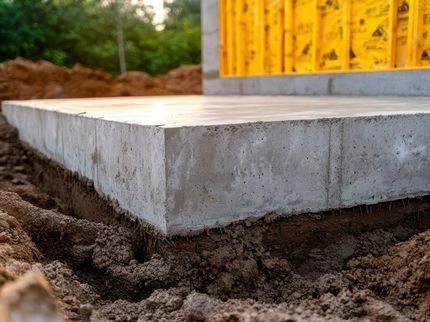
<point x="182" y="111"/>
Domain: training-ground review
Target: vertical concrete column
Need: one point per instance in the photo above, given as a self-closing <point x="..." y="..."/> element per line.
<point x="210" y="41"/>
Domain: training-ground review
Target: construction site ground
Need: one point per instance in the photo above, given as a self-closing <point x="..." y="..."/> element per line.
<point x="365" y="264"/>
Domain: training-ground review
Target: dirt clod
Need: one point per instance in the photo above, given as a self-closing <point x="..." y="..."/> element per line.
<point x="29" y="298"/>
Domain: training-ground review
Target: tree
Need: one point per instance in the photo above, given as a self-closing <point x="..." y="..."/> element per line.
<point x="112" y="35"/>
<point x="179" y="11"/>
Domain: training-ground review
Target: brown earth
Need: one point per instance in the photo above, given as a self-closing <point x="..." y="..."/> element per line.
<point x="362" y="264"/>
<point x="23" y="79"/>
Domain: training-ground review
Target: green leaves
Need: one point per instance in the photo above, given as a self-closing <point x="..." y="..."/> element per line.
<point x="84" y="31"/>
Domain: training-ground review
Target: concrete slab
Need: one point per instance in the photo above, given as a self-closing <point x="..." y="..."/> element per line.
<point x="189" y="162"/>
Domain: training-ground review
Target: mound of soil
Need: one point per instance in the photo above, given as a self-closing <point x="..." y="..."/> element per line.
<point x="29" y="298"/>
<point x="23" y="79"/>
<point x="97" y="272"/>
<point x="184" y="79"/>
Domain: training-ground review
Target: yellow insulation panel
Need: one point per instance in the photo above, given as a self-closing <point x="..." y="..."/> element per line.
<point x="250" y="24"/>
<point x="222" y="41"/>
<point x="273" y="36"/>
<point x="288" y="36"/>
<point x="332" y="34"/>
<point x="239" y="36"/>
<point x="254" y="58"/>
<point x="370" y="34"/>
<point x="304" y="12"/>
<point x="424" y="33"/>
<point x="402" y="28"/>
<point x="268" y="37"/>
<point x="229" y="41"/>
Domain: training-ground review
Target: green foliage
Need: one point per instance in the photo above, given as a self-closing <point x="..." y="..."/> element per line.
<point x="181" y="10"/>
<point x="176" y="47"/>
<point x="85" y="31"/>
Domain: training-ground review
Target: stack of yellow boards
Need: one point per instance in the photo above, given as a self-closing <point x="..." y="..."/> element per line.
<point x="269" y="37"/>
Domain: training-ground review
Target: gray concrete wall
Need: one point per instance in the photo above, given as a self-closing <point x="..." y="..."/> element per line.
<point x="388" y="83"/>
<point x="125" y="161"/>
<point x="219" y="174"/>
<point x="210" y="39"/>
<point x="384" y="158"/>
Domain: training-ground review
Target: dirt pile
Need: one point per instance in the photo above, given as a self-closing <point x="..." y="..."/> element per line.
<point x="28" y="299"/>
<point x="184" y="79"/>
<point x="16" y="249"/>
<point x="23" y="79"/>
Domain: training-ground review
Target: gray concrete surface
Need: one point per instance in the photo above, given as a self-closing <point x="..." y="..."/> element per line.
<point x="389" y="83"/>
<point x="412" y="82"/>
<point x="188" y="162"/>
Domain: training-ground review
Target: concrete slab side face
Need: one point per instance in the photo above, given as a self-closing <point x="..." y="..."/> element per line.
<point x="78" y="141"/>
<point x="385" y="158"/>
<point x="130" y="168"/>
<point x="219" y="174"/>
<point x="39" y="129"/>
<point x="125" y="161"/>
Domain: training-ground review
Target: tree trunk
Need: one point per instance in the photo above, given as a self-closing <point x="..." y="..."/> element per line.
<point x="120" y="40"/>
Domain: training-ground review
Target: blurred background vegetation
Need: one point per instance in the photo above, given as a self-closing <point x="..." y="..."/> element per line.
<point x="94" y="32"/>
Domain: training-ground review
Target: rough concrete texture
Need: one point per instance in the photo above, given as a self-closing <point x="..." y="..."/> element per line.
<point x="186" y="163"/>
<point x="210" y="39"/>
<point x="399" y="82"/>
<point x="385" y="83"/>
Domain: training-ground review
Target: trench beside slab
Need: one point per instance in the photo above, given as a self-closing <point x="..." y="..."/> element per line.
<point x="183" y="163"/>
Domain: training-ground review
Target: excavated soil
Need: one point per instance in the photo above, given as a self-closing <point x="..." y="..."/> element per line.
<point x="81" y="255"/>
<point x="23" y="79"/>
